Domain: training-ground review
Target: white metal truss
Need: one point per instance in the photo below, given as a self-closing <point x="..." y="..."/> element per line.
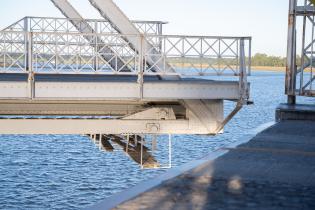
<point x="111" y="12"/>
<point x="301" y="41"/>
<point x="13" y="52"/>
<point x="86" y="53"/>
<point x="73" y="54"/>
<point x="152" y="65"/>
<point x="195" y="55"/>
<point x="53" y="24"/>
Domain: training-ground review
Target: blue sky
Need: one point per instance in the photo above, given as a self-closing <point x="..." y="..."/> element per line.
<point x="264" y="20"/>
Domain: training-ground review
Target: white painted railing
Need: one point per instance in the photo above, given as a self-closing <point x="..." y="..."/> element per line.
<point x="106" y="53"/>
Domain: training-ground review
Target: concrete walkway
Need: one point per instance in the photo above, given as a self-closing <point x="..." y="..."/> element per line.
<point x="275" y="170"/>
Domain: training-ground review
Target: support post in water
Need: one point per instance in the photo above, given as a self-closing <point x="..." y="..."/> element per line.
<point x="141" y="153"/>
<point x="170" y="150"/>
<point x="128" y="141"/>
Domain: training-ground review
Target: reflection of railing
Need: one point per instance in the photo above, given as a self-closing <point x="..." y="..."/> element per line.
<point x="300" y="78"/>
<point x="79" y="53"/>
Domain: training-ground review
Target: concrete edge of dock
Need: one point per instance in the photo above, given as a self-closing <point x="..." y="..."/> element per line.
<point x="147" y="185"/>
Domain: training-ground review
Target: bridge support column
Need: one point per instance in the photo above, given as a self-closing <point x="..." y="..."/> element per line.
<point x="291" y="69"/>
<point x="29" y="58"/>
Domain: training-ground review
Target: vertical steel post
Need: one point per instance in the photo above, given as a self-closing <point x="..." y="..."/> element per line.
<point x="243" y="74"/>
<point x="154" y="142"/>
<point x="128" y="142"/>
<point x="96" y="48"/>
<point x="290" y="82"/>
<point x="302" y="56"/>
<point x="141" y="161"/>
<point x="237" y="57"/>
<point x="56" y="53"/>
<point x="170" y="150"/>
<point x="250" y="57"/>
<point x="100" y="142"/>
<point x="312" y="58"/>
<point x="160" y="33"/>
<point x="29" y="55"/>
<point x="141" y="66"/>
<point x="219" y="56"/>
<point x="26" y="36"/>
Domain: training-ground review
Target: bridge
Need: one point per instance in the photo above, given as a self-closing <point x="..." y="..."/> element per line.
<point x="300" y="71"/>
<point x="116" y="77"/>
<point x="300" y="75"/>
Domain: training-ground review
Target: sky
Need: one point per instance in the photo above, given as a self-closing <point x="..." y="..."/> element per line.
<point x="264" y="20"/>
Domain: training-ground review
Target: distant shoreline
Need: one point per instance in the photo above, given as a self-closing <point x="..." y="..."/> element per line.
<point x="274" y="69"/>
<point x="268" y="68"/>
<point x="254" y="68"/>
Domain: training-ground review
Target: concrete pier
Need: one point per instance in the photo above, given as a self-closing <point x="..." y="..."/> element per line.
<point x="295" y="112"/>
<point x="274" y="170"/>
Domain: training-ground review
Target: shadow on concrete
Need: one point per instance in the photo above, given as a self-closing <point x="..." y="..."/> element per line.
<point x="275" y="170"/>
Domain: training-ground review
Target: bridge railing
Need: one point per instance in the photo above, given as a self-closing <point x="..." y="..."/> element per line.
<point x="198" y="55"/>
<point x="13" y="52"/>
<point x="106" y="53"/>
<point x="66" y="25"/>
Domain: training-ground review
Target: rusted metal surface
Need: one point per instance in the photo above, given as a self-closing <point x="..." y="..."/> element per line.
<point x="300" y="74"/>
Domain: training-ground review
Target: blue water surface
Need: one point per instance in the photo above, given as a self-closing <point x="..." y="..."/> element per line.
<point x="70" y="172"/>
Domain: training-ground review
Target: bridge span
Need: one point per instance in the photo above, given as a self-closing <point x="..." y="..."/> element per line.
<point x="141" y="80"/>
<point x="116" y="77"/>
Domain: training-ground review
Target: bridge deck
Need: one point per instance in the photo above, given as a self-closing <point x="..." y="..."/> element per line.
<point x="105" y="87"/>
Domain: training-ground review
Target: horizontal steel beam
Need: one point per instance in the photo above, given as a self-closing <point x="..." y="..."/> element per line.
<point x="305" y="10"/>
<point x="73" y="108"/>
<point x="100" y="126"/>
<point x="81" y="108"/>
<point x="96" y="20"/>
<point x="41" y="21"/>
<point x="12" y="90"/>
<point x="152" y="91"/>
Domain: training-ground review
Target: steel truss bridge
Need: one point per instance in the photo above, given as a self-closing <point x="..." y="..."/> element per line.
<point x="122" y="77"/>
<point x="300" y="74"/>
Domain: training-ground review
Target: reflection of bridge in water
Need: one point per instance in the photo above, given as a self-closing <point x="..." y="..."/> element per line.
<point x="148" y="83"/>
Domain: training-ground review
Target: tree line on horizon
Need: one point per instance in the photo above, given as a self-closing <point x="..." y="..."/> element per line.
<point x="261" y="59"/>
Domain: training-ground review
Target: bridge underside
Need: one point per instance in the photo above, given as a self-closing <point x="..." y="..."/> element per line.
<point x="118" y="105"/>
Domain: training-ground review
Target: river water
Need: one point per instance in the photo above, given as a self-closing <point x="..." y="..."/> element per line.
<point x="70" y="172"/>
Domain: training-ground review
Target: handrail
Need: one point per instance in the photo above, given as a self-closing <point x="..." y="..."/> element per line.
<point x="46" y="24"/>
<point x="188" y="54"/>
